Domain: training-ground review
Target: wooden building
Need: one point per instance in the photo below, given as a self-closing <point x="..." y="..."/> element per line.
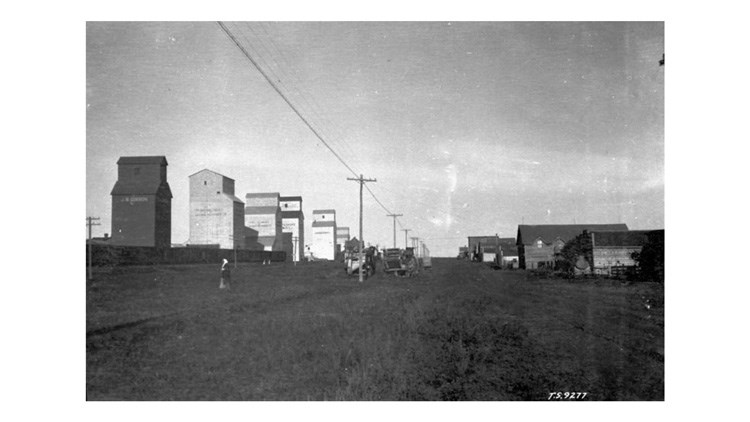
<point x="324" y="234"/>
<point x="293" y="221"/>
<point x="216" y="214"/>
<point x="263" y="222"/>
<point x="613" y="250"/>
<point x="142" y="203"/>
<point x="539" y="246"/>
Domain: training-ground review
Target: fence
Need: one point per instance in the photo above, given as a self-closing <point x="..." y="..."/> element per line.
<point x="107" y="255"/>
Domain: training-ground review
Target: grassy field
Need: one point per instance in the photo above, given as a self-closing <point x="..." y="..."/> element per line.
<point x="459" y="331"/>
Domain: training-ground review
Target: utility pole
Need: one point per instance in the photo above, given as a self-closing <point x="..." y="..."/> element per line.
<point x="394" y="227"/>
<point x="361" y="181"/>
<point x="406" y="233"/>
<point x="295" y="257"/>
<point x="234" y="248"/>
<point x="415" y="243"/>
<point x="90" y="221"/>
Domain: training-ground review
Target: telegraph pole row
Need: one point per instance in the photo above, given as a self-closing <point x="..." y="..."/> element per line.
<point x="406" y="241"/>
<point x="361" y="181"/>
<point x="394" y="227"/>
<point x="91" y="221"/>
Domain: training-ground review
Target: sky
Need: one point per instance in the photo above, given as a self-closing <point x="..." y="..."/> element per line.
<point x="470" y="128"/>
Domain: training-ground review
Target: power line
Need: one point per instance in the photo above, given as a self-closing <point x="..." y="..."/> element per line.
<point x="298" y="93"/>
<point x="377" y="200"/>
<point x="276" y="88"/>
<point x="292" y="89"/>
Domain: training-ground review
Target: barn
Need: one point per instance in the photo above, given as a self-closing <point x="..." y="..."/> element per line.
<point x="263" y="222"/>
<point x="324" y="234"/>
<point x="142" y="203"/>
<point x="540" y="246"/>
<point x="293" y="221"/>
<point x="216" y="215"/>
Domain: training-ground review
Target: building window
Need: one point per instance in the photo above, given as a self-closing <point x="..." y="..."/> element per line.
<point x="205" y="183"/>
<point x="539" y="244"/>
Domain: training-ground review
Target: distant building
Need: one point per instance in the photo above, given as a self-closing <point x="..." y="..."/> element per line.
<point x="216" y="215"/>
<point x="293" y="221"/>
<point x="614" y="249"/>
<point x="263" y="222"/>
<point x="539" y="246"/>
<point x="324" y="234"/>
<point x="342" y="235"/>
<point x="508" y="253"/>
<point x="485" y="248"/>
<point x="142" y="203"/>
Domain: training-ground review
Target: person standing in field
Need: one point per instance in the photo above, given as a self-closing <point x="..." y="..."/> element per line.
<point x="225" y="275"/>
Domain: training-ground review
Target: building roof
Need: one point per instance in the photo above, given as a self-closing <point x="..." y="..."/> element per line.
<point x="324" y="224"/>
<point x="233" y="198"/>
<point x="290" y="198"/>
<point x="262" y="195"/>
<point x="527" y="234"/>
<point x="210" y="171"/>
<point x="158" y="159"/>
<point x="620" y="238"/>
<point x="490" y="248"/>
<point x="261" y="210"/>
<point x="509" y="250"/>
<point x="324" y="211"/>
<point x="484" y="238"/>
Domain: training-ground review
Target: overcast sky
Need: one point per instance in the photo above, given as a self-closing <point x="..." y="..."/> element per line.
<point x="469" y="128"/>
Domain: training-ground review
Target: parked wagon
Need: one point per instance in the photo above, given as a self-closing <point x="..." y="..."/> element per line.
<point x="400" y="262"/>
<point x="353" y="265"/>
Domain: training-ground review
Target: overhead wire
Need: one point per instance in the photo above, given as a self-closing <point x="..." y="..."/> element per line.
<point x="274" y="69"/>
<point x="283" y="96"/>
<point x="310" y="103"/>
<point x="313" y="106"/>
